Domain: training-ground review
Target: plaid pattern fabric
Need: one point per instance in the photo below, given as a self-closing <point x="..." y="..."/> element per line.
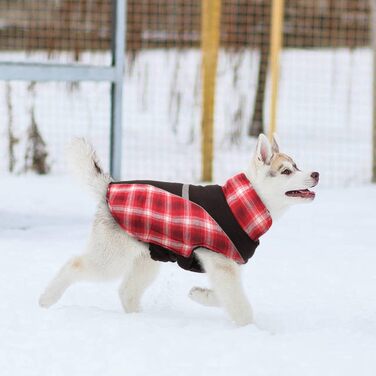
<point x="246" y="206"/>
<point x="155" y="216"/>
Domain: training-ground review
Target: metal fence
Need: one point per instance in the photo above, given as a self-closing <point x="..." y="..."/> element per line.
<point x="54" y="42"/>
<point x="324" y="112"/>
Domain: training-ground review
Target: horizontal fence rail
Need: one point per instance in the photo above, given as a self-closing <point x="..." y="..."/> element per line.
<point x="50" y="72"/>
<point x="44" y="72"/>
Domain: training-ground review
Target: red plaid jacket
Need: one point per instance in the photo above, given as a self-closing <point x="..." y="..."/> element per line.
<point x="228" y="220"/>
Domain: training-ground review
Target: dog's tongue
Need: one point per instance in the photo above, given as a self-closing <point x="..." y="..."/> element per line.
<point x="303" y="193"/>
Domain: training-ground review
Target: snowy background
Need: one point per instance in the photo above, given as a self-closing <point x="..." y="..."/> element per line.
<point x="324" y="113"/>
<point x="312" y="282"/>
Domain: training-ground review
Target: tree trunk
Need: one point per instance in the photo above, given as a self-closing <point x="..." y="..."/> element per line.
<point x="36" y="150"/>
<point x="373" y="33"/>
<point x="135" y="18"/>
<point x="36" y="153"/>
<point x="257" y="123"/>
<point x="12" y="140"/>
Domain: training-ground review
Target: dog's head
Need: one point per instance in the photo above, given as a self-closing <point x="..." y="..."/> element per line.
<point x="277" y="178"/>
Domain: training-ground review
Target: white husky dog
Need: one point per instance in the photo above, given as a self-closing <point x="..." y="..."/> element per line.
<point x="112" y="253"/>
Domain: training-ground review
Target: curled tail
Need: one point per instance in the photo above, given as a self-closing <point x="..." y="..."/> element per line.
<point x="85" y="165"/>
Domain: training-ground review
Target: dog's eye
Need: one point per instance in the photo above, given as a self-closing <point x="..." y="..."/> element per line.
<point x="286" y="172"/>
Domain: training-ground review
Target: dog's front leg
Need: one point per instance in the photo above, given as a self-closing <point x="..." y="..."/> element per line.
<point x="135" y="282"/>
<point x="224" y="275"/>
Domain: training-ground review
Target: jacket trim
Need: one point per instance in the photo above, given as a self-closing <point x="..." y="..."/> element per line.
<point x="246" y="206"/>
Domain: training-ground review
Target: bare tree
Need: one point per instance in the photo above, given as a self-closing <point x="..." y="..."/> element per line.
<point x="36" y="149"/>
<point x="256" y="125"/>
<point x="373" y="31"/>
<point x="12" y="140"/>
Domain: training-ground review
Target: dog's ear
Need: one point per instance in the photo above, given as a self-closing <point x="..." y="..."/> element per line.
<point x="275" y="144"/>
<point x="263" y="150"/>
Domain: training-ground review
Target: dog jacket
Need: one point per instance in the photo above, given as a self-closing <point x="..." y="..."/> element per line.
<point x="175" y="219"/>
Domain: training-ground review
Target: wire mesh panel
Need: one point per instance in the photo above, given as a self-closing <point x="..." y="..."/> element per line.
<point x="325" y="94"/>
<point x="162" y="90"/>
<point x="74" y="31"/>
<point x="39" y="119"/>
<point x="241" y="83"/>
<point x="324" y="108"/>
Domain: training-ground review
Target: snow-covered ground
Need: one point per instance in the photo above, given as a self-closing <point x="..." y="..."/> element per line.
<point x="324" y="113"/>
<point x="312" y="284"/>
<point x="312" y="281"/>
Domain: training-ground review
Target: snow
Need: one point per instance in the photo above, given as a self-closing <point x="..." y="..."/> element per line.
<point x="324" y="112"/>
<point x="312" y="284"/>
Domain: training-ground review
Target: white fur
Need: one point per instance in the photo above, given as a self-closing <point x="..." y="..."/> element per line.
<point x="272" y="189"/>
<point x="111" y="253"/>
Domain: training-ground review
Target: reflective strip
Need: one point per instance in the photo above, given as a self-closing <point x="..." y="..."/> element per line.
<point x="185" y="191"/>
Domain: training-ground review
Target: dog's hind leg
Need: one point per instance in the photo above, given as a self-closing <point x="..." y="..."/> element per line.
<point x="224" y="276"/>
<point x="135" y="282"/>
<point x="110" y="253"/>
<point x="204" y="296"/>
<point x="74" y="270"/>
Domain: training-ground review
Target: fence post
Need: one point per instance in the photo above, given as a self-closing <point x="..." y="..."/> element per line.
<point x="118" y="57"/>
<point x="210" y="38"/>
<point x="276" y="37"/>
<point x="373" y="37"/>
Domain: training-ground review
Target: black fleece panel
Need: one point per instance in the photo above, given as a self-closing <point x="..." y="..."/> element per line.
<point x="213" y="200"/>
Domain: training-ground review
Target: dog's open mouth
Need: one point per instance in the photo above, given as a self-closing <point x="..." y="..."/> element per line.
<point x="301" y="193"/>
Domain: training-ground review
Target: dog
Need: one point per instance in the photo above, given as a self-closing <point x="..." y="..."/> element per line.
<point x="112" y="252"/>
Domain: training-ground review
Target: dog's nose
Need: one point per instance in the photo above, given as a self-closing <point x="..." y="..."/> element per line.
<point x="315" y="175"/>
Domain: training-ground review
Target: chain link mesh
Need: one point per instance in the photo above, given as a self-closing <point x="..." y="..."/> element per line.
<point x="324" y="115"/>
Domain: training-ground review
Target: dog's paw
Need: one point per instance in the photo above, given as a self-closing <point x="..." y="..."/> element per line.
<point x="131" y="305"/>
<point x="203" y="296"/>
<point x="242" y="315"/>
<point x="243" y="321"/>
<point x="46" y="300"/>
